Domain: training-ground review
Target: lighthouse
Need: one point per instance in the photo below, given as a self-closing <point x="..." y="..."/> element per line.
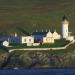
<point x="65" y="24"/>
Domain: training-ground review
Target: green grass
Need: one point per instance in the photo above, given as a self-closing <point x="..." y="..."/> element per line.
<point x="58" y="43"/>
<point x="35" y="14"/>
<point x="70" y="49"/>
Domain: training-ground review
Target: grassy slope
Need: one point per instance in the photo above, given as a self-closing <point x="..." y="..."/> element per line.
<point x="70" y="49"/>
<point x="35" y="14"/>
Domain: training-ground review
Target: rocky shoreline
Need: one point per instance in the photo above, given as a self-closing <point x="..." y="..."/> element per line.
<point x="30" y="60"/>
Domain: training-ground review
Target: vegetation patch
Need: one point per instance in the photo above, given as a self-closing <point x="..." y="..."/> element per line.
<point x="35" y="14"/>
<point x="58" y="43"/>
<point x="70" y="48"/>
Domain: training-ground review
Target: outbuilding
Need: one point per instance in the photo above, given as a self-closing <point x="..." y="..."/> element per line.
<point x="5" y="43"/>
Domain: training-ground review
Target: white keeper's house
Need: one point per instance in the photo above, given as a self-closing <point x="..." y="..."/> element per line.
<point x="40" y="38"/>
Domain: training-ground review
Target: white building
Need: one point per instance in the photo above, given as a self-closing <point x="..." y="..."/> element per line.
<point x="70" y="38"/>
<point x="5" y="43"/>
<point x="65" y="24"/>
<point x="48" y="40"/>
<point x="29" y="40"/>
<point x="55" y="35"/>
<point x="49" y="34"/>
<point x="50" y="37"/>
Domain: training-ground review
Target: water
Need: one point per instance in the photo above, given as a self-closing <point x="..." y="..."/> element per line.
<point x="39" y="72"/>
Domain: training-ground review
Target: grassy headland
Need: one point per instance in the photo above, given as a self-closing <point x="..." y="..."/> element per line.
<point x="35" y="14"/>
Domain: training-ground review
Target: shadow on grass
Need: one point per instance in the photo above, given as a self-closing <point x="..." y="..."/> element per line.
<point x="23" y="31"/>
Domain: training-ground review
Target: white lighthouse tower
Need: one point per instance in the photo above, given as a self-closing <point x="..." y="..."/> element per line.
<point x="65" y="24"/>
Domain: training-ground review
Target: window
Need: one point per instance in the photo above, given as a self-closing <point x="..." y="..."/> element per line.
<point x="29" y="40"/>
<point x="24" y="40"/>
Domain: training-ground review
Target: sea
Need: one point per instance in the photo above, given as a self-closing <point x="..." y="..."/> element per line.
<point x="68" y="71"/>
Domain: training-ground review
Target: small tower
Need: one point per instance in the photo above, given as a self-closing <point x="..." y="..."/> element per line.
<point x="15" y="34"/>
<point x="65" y="24"/>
